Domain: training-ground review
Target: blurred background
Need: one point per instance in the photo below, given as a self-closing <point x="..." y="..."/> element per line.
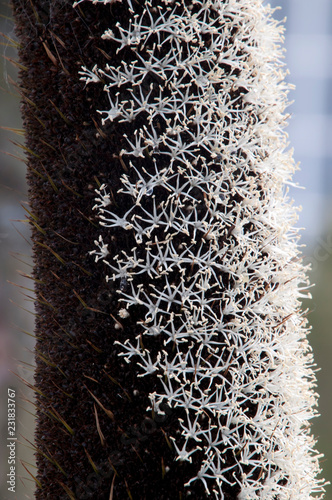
<point x="16" y="308"/>
<point x="308" y="41"/>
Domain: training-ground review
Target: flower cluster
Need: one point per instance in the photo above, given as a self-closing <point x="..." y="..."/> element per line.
<point x="214" y="263"/>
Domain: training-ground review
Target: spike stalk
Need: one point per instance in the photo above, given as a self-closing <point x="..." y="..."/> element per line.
<point x="172" y="358"/>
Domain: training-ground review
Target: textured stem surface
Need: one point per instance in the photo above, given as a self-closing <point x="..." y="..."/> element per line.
<point x="177" y="365"/>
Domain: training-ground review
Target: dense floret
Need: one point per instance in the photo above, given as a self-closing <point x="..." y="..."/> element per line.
<point x="214" y="275"/>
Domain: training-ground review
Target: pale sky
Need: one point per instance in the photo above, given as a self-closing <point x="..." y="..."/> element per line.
<point x="309" y="59"/>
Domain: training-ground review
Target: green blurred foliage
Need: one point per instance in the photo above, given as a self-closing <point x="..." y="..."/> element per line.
<point x="320" y="339"/>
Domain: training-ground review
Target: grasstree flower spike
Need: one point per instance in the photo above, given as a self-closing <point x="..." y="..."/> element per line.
<point x="198" y="364"/>
<point x="213" y="275"/>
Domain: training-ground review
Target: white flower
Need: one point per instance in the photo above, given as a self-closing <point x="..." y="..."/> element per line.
<point x="215" y="267"/>
<point x="103" y="249"/>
